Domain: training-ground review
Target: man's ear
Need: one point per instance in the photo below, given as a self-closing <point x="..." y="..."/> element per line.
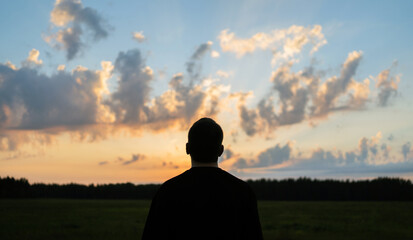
<point x="221" y="150"/>
<point x="187" y="149"/>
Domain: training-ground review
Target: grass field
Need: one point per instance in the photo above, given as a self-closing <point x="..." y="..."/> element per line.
<point x="124" y="219"/>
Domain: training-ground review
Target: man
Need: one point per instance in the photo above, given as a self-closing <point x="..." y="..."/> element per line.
<point x="205" y="202"/>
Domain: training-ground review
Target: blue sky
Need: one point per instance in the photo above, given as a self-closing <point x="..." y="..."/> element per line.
<point x="374" y="36"/>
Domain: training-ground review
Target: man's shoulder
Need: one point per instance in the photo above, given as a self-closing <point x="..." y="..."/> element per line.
<point x="208" y="174"/>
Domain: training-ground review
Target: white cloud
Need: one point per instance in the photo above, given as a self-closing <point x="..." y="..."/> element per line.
<point x="285" y="44"/>
<point x="61" y="67"/>
<point x="138" y="36"/>
<point x="214" y="54"/>
<point x="32" y="59"/>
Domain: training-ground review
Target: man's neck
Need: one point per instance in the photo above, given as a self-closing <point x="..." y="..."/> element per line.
<point x="203" y="164"/>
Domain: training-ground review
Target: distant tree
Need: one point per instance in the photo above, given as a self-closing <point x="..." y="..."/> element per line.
<point x="301" y="189"/>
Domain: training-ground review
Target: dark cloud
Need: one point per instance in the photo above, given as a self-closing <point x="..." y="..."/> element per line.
<point x="322" y="159"/>
<point x="75" y="20"/>
<point x="169" y="165"/>
<point x="406" y="148"/>
<point x="128" y="102"/>
<point x="228" y="153"/>
<point x="269" y="157"/>
<point x="31" y="100"/>
<point x="364" y="149"/>
<point x="70" y="40"/>
<point x="240" y="164"/>
<point x="292" y="96"/>
<point x="248" y="120"/>
<point x="274" y="155"/>
<point x="369" y="154"/>
<point x="385" y="150"/>
<point x="192" y="66"/>
<point x="103" y="163"/>
<point x="134" y="158"/>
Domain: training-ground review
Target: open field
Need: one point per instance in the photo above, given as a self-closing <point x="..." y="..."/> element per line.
<point x="124" y="219"/>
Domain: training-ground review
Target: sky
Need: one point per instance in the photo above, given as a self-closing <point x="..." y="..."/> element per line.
<point x="105" y="91"/>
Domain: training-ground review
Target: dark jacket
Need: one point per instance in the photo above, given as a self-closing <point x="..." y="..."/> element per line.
<point x="203" y="203"/>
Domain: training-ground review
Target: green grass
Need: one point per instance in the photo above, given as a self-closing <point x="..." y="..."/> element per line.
<point x="337" y="220"/>
<point x="124" y="219"/>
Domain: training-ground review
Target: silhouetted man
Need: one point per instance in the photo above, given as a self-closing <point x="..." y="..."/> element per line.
<point x="204" y="202"/>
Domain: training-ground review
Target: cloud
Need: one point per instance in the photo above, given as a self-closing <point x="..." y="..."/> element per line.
<point x="192" y="66"/>
<point x="248" y="120"/>
<point x="33" y="59"/>
<point x="138" y="36"/>
<point x="31" y="100"/>
<point x="128" y="102"/>
<point x="215" y="54"/>
<point x="181" y="103"/>
<point x="406" y="148"/>
<point x="299" y="96"/>
<point x="61" y="67"/>
<point x="387" y="86"/>
<point x="103" y="163"/>
<point x="267" y="158"/>
<point x="228" y="153"/>
<point x="78" y="102"/>
<point x="73" y="21"/>
<point x="185" y="99"/>
<point x="11" y="65"/>
<point x="334" y="87"/>
<point x="240" y="164"/>
<point x="284" y="44"/>
<point x="169" y="165"/>
<point x="18" y="155"/>
<point x="134" y="158"/>
<point x="13" y="140"/>
<point x="275" y="155"/>
<point x="306" y="94"/>
<point x="369" y="154"/>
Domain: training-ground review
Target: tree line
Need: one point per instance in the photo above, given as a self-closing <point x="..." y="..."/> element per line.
<point x="301" y="189"/>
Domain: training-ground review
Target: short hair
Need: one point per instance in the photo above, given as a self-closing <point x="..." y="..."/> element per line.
<point x="205" y="140"/>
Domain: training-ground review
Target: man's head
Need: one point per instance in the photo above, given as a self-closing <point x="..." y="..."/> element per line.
<point x="205" y="141"/>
